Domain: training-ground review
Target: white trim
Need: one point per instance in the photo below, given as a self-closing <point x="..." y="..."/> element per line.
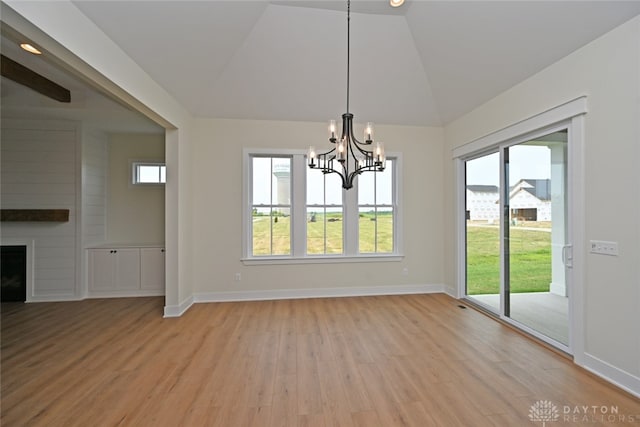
<point x="398" y="232"/>
<point x="569" y="115"/>
<point x="78" y="289"/>
<point x="551" y="116"/>
<point x="298" y="209"/>
<point x="451" y="291"/>
<point x="616" y="376"/>
<point x="126" y="294"/>
<point x="178" y="310"/>
<point x="575" y="280"/>
<point x="461" y="228"/>
<point x="54" y="298"/>
<point x="326" y="259"/>
<point x="280" y="294"/>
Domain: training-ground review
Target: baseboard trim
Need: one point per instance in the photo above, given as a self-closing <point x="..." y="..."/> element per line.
<point x="315" y="293"/>
<point x="54" y="298"/>
<point x="180" y="309"/>
<point x="125" y="294"/>
<point x="610" y="373"/>
<point x="450" y="291"/>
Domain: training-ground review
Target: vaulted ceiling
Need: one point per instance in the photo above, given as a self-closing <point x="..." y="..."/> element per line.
<point x="426" y="63"/>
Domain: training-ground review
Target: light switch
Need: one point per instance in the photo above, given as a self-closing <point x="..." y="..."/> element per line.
<point x="603" y="248"/>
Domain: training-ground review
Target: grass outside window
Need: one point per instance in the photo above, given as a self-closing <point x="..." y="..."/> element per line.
<point x="530" y="261"/>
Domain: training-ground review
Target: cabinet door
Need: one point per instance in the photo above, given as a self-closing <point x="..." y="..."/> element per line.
<point x="127" y="269"/>
<point x="152" y="269"/>
<point x="102" y="264"/>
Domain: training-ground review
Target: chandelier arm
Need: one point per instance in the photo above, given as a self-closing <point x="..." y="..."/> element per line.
<point x="328" y="152"/>
<point x="359" y="146"/>
<point x="353" y="137"/>
<point x="342" y="176"/>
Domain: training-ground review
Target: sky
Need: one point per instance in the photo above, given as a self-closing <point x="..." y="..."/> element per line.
<point x="264" y="182"/>
<point x="525" y="162"/>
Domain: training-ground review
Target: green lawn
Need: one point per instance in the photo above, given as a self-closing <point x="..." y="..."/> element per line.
<point x="530" y="261"/>
<point x="263" y="226"/>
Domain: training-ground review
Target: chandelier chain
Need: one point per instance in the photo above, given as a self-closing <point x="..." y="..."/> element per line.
<point x="348" y="47"/>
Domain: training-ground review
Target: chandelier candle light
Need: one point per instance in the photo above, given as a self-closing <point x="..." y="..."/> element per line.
<point x="350" y="154"/>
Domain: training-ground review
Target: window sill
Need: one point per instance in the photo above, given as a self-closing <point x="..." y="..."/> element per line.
<point x="322" y="259"/>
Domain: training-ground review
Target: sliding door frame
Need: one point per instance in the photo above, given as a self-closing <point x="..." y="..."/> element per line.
<point x="570" y="116"/>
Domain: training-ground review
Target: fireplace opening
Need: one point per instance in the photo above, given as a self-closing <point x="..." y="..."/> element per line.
<point x="13" y="272"/>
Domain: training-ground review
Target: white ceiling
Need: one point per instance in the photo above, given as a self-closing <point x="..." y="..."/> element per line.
<point x="426" y="63"/>
<point x="94" y="109"/>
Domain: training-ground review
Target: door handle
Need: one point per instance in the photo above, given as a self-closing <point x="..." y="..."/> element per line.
<point x="567" y="256"/>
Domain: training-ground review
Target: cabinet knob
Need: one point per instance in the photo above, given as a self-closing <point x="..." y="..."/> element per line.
<point x="162" y="250"/>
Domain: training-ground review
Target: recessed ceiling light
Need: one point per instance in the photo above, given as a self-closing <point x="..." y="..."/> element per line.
<point x="396" y="3"/>
<point x="31" y="49"/>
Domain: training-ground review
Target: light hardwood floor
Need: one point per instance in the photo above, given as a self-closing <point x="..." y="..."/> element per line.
<point x="415" y="360"/>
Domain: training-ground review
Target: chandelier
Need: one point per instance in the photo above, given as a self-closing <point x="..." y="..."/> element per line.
<point x="349" y="158"/>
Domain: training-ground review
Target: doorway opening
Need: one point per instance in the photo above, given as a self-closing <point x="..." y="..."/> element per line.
<point x="517" y="252"/>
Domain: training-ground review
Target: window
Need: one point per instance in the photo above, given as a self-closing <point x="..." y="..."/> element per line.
<point x="376" y="211"/>
<point x="324" y="213"/>
<point x="149" y="173"/>
<point x="296" y="214"/>
<point x="271" y="206"/>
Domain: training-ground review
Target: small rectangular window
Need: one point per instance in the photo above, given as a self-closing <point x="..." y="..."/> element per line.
<point x="149" y="173"/>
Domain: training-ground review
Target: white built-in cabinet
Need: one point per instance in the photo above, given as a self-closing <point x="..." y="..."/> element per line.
<point x="126" y="271"/>
<point x="152" y="269"/>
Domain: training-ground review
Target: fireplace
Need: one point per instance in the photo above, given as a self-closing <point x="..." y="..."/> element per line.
<point x="13" y="272"/>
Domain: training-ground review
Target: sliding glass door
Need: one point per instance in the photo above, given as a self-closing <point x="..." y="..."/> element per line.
<point x="482" y="233"/>
<point x="517" y="240"/>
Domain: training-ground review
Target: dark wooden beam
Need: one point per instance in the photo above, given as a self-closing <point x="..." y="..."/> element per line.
<point x="26" y="77"/>
<point x="34" y="215"/>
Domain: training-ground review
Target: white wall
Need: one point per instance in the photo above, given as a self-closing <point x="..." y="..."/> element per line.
<point x="39" y="170"/>
<point x="608" y="72"/>
<point x="94" y="187"/>
<point x="73" y="39"/>
<point x="135" y="213"/>
<point x="217" y="168"/>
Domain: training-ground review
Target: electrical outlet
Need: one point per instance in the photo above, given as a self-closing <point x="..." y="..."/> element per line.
<point x="238" y="277"/>
<point x="603" y="248"/>
<point x="405" y="271"/>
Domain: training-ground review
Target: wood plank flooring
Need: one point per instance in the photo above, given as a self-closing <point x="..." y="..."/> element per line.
<point x="416" y="360"/>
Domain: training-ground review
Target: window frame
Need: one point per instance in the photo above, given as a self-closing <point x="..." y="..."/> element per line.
<point x="298" y="253"/>
<point x="271" y="206"/>
<point x="324" y="206"/>
<point x="376" y="206"/>
<point x="135" y="164"/>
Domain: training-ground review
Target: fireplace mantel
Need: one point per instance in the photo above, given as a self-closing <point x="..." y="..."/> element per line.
<point x="34" y="215"/>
